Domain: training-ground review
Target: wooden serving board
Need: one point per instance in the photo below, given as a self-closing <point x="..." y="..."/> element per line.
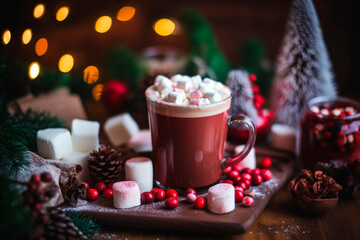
<point x="185" y="217"/>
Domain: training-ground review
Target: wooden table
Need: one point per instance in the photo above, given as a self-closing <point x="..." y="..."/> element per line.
<point x="279" y="220"/>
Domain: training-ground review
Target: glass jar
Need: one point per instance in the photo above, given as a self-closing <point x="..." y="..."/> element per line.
<point x="330" y="131"/>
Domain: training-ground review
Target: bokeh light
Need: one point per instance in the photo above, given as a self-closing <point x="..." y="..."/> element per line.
<point x="26" y="36"/>
<point x="66" y="63"/>
<point x="39" y="10"/>
<point x="41" y="46"/>
<point x="6" y="36"/>
<point x="125" y="13"/>
<point x="97" y="91"/>
<point x="164" y="27"/>
<point x="34" y="70"/>
<point x="91" y="74"/>
<point x="62" y="13"/>
<point x="103" y="24"/>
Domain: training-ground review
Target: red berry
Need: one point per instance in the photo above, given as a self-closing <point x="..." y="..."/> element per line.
<point x="37" y="206"/>
<point x="246" y="176"/>
<point x="190" y="198"/>
<point x="226" y="170"/>
<point x="227" y="181"/>
<point x="101" y="187"/>
<point x="46" y="177"/>
<point x="109" y="186"/>
<point x="159" y="194"/>
<point x="92" y="194"/>
<point x="239" y="195"/>
<point x="255" y="88"/>
<point x="246" y="170"/>
<point x="87" y="186"/>
<point x="237" y="179"/>
<point x="237" y="167"/>
<point x="255" y="171"/>
<point x="248" y="183"/>
<point x="200" y="203"/>
<point x="154" y="189"/>
<point x="266" y="174"/>
<point x="243" y="184"/>
<point x="35" y="178"/>
<point x="190" y="190"/>
<point x="171" y="202"/>
<point x="248" y="201"/>
<point x="147" y="197"/>
<point x="171" y="193"/>
<point x="108" y="194"/>
<point x="233" y="174"/>
<point x="257" y="179"/>
<point x="252" y="77"/>
<point x="266" y="162"/>
<point x="238" y="188"/>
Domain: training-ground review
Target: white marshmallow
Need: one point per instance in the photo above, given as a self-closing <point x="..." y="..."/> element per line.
<point x="126" y="194"/>
<point x="140" y="170"/>
<point x="203" y="87"/>
<point x="165" y="92"/>
<point x="120" y="128"/>
<point x="211" y="83"/>
<point x="82" y="159"/>
<point x="54" y="143"/>
<point x="184" y="84"/>
<point x="283" y="137"/>
<point x="250" y="160"/>
<point x="212" y="96"/>
<point x="85" y="135"/>
<point x="176" y="77"/>
<point x="175" y="97"/>
<point x="221" y="198"/>
<point x="164" y="83"/>
<point x="196" y="80"/>
<point x="141" y="142"/>
<point x="199" y="102"/>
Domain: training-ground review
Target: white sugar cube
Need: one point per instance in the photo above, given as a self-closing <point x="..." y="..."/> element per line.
<point x="82" y="159"/>
<point x="54" y="143"/>
<point x="120" y="128"/>
<point x="212" y="96"/>
<point x="85" y="135"/>
<point x="175" y="97"/>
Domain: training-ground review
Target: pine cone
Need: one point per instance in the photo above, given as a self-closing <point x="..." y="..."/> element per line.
<point x="61" y="226"/>
<point x="108" y="164"/>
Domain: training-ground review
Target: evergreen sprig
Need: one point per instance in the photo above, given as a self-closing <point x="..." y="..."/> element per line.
<point x="85" y="224"/>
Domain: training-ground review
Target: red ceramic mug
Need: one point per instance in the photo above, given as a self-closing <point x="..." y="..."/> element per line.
<point x="189" y="142"/>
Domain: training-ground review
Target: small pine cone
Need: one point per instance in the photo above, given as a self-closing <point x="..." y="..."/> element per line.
<point x="61" y="227"/>
<point x="107" y="164"/>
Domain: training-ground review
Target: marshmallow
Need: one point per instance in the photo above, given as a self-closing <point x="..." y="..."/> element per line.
<point x="199" y="102"/>
<point x="196" y="80"/>
<point x="176" y="77"/>
<point x="211" y="83"/>
<point x="175" y="97"/>
<point x="183" y="84"/>
<point x="283" y="137"/>
<point x="120" y="128"/>
<point x="203" y="87"/>
<point x="126" y="194"/>
<point x="85" y="135"/>
<point x="54" y="143"/>
<point x="140" y="170"/>
<point x="166" y="91"/>
<point x="80" y="159"/>
<point x="250" y="160"/>
<point x="212" y="96"/>
<point x="164" y="82"/>
<point x="141" y="142"/>
<point x="221" y="198"/>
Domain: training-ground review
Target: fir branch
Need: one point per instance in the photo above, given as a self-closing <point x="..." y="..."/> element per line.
<point x="85" y="224"/>
<point x="13" y="155"/>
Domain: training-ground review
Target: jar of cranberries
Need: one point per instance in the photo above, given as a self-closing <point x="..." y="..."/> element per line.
<point x="330" y="131"/>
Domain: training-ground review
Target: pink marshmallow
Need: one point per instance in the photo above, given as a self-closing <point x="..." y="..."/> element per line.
<point x="179" y="90"/>
<point x="195" y="102"/>
<point x="196" y="94"/>
<point x="126" y="194"/>
<point x="221" y="198"/>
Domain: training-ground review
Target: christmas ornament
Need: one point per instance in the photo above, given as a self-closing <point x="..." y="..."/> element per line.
<point x="107" y="164"/>
<point x="115" y="95"/>
<point x="303" y="68"/>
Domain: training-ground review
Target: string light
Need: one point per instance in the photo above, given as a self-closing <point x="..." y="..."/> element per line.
<point x="62" y="13"/>
<point x="66" y="63"/>
<point x="41" y="46"/>
<point x="39" y="10"/>
<point x="34" y="70"/>
<point x="125" y="13"/>
<point x="164" y="27"/>
<point x="103" y="24"/>
<point x="6" y="36"/>
<point x="97" y="91"/>
<point x="91" y="74"/>
<point x="26" y="36"/>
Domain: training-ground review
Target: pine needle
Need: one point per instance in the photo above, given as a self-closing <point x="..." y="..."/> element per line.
<point x="85" y="224"/>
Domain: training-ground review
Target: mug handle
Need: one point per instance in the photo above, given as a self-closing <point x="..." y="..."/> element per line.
<point x="245" y="121"/>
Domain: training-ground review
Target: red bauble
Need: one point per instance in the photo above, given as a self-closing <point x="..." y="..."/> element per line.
<point x="147" y="197"/>
<point x="108" y="194"/>
<point x="171" y="193"/>
<point x="200" y="203"/>
<point x="115" y="95"/>
<point x="92" y="194"/>
<point x="171" y="202"/>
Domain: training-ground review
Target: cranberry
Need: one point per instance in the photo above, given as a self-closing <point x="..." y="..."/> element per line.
<point x="238" y="188"/>
<point x="109" y="185"/>
<point x="237" y="167"/>
<point x="257" y="179"/>
<point x="239" y="195"/>
<point x="248" y="183"/>
<point x="266" y="162"/>
<point x="246" y="170"/>
<point x="46" y="177"/>
<point x="171" y="193"/>
<point x="255" y="171"/>
<point x="100" y="186"/>
<point x="37" y="206"/>
<point x="190" y="198"/>
<point x="233" y="174"/>
<point x="36" y="178"/>
<point x="200" y="203"/>
<point x="171" y="202"/>
<point x="87" y="186"/>
<point x="108" y="194"/>
<point x="147" y="197"/>
<point x="248" y="201"/>
<point x="246" y="176"/>
<point x="227" y="170"/>
<point x="266" y="174"/>
<point x="190" y="190"/>
<point x="92" y="194"/>
<point x="237" y="179"/>
<point x="227" y="181"/>
<point x="252" y="77"/>
<point x="243" y="184"/>
<point x="159" y="194"/>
